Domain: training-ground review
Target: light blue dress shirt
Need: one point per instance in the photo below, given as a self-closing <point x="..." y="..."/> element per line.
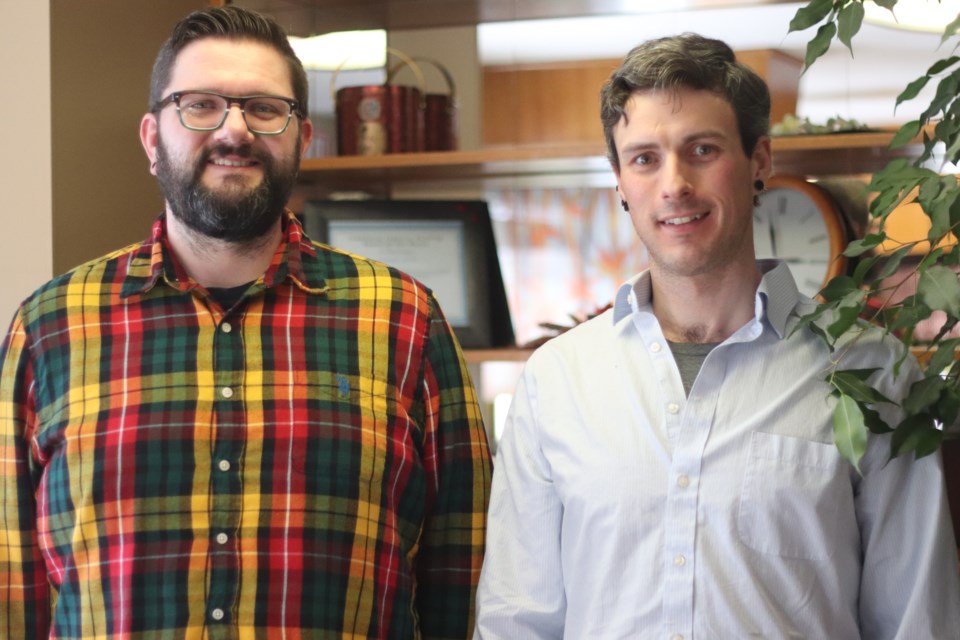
<point x="623" y="509"/>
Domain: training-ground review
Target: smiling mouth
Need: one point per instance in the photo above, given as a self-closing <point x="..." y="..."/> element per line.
<point x="684" y="220"/>
<point x="223" y="162"/>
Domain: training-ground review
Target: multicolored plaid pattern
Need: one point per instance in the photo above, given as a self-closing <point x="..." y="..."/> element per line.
<point x="308" y="464"/>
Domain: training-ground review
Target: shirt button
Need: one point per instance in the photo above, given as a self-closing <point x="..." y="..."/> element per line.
<point x="226" y="392"/>
<point x="655" y="347"/>
<point x="226" y="327"/>
<point x="676" y="636"/>
<point x="224" y="465"/>
<point x="683" y="481"/>
<point x="222" y="538"/>
<point x="217" y="614"/>
<point x="673" y="407"/>
<point x="679" y="560"/>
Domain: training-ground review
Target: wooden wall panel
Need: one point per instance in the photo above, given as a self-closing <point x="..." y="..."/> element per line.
<point x="559" y="102"/>
<point x="550" y="103"/>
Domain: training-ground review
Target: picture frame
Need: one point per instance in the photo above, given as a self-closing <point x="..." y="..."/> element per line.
<point x="448" y="245"/>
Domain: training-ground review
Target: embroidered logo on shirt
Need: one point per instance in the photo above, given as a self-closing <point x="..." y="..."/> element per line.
<point x="343" y="385"/>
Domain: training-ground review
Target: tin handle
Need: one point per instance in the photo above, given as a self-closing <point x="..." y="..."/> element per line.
<point x="406" y="61"/>
<point x="448" y="78"/>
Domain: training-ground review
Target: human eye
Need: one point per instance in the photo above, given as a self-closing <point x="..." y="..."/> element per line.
<point x="201" y="103"/>
<point x="644" y="159"/>
<point x="703" y="150"/>
<point x="266" y="108"/>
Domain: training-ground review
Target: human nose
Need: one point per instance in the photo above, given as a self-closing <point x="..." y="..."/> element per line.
<point x="676" y="181"/>
<point x="234" y="125"/>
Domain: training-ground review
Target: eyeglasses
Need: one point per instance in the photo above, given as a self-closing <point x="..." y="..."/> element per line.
<point x="205" y="111"/>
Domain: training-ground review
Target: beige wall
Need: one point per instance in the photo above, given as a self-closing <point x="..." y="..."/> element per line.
<point x="102" y="52"/>
<point x="456" y="49"/>
<point x="26" y="252"/>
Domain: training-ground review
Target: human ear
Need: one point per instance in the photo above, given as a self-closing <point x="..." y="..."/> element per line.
<point x="148" y="138"/>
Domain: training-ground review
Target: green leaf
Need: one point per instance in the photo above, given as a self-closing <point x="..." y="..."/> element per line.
<point x="907" y="317"/>
<point x="929" y="189"/>
<point x="946" y="94"/>
<point x="939" y="213"/>
<point x="849" y="21"/>
<point x="946" y="328"/>
<point x="939" y="288"/>
<point x="948" y="408"/>
<point x="812" y="14"/>
<point x="864" y="268"/>
<point x="923" y="393"/>
<point x="951" y="30"/>
<point x="930" y="259"/>
<point x="867" y="243"/>
<point x="893" y="262"/>
<point x="886" y="4"/>
<point x="942" y="65"/>
<point x="874" y="422"/>
<point x="906" y="134"/>
<point x="820" y="43"/>
<point x="927" y="442"/>
<point x="838" y="287"/>
<point x="912" y="91"/>
<point x="847" y="316"/>
<point x="853" y="383"/>
<point x="849" y="430"/>
<point x="944" y="356"/>
<point x="809" y="322"/>
<point x="916" y="433"/>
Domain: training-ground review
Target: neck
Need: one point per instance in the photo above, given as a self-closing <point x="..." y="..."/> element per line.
<point x="220" y="263"/>
<point x="703" y="309"/>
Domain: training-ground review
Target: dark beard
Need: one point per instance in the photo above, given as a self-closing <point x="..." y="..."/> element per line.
<point x="233" y="213"/>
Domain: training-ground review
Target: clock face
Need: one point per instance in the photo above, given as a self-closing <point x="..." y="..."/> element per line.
<point x="799" y="225"/>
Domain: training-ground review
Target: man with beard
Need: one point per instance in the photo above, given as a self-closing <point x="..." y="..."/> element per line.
<point x="228" y="430"/>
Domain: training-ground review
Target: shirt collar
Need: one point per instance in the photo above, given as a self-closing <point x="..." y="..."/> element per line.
<point x="776" y="298"/>
<point x="153" y="262"/>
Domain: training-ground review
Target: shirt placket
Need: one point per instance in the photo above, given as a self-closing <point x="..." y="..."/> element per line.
<point x="225" y="484"/>
<point x="689" y="422"/>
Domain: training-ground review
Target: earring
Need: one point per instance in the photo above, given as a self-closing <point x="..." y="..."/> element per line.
<point x="626" y="207"/>
<point x="760" y="187"/>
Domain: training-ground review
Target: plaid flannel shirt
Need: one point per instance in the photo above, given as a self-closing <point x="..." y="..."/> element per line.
<point x="309" y="463"/>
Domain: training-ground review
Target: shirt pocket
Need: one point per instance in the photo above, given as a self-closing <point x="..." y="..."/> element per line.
<point x="795" y="495"/>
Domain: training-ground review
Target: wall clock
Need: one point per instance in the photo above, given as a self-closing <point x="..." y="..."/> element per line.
<point x="802" y="224"/>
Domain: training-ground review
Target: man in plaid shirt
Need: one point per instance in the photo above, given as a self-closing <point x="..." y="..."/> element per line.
<point x="227" y="431"/>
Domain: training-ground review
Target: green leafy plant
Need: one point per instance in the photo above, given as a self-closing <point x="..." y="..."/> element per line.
<point x="932" y="405"/>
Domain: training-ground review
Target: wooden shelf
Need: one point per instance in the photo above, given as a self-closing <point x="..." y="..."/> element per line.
<point x="505" y="354"/>
<point x="493" y="163"/>
<point x="814" y="155"/>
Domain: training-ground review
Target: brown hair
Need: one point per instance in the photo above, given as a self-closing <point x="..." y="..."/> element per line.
<point x="687" y="61"/>
<point x="227" y="22"/>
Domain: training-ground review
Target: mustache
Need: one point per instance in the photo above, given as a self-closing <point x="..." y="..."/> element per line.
<point x="243" y="151"/>
<point x="670" y="209"/>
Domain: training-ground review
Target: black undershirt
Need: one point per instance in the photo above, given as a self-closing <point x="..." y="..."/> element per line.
<point x="226" y="297"/>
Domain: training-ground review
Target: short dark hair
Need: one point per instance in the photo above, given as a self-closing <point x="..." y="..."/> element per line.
<point x="232" y="23"/>
<point x="687" y="61"/>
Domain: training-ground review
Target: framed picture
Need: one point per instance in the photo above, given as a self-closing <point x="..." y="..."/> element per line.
<point x="447" y="245"/>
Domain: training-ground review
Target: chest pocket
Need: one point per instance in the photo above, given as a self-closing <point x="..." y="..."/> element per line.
<point x="343" y="429"/>
<point x="796" y="498"/>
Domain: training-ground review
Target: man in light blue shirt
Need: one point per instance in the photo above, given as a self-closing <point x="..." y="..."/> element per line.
<point x="668" y="468"/>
